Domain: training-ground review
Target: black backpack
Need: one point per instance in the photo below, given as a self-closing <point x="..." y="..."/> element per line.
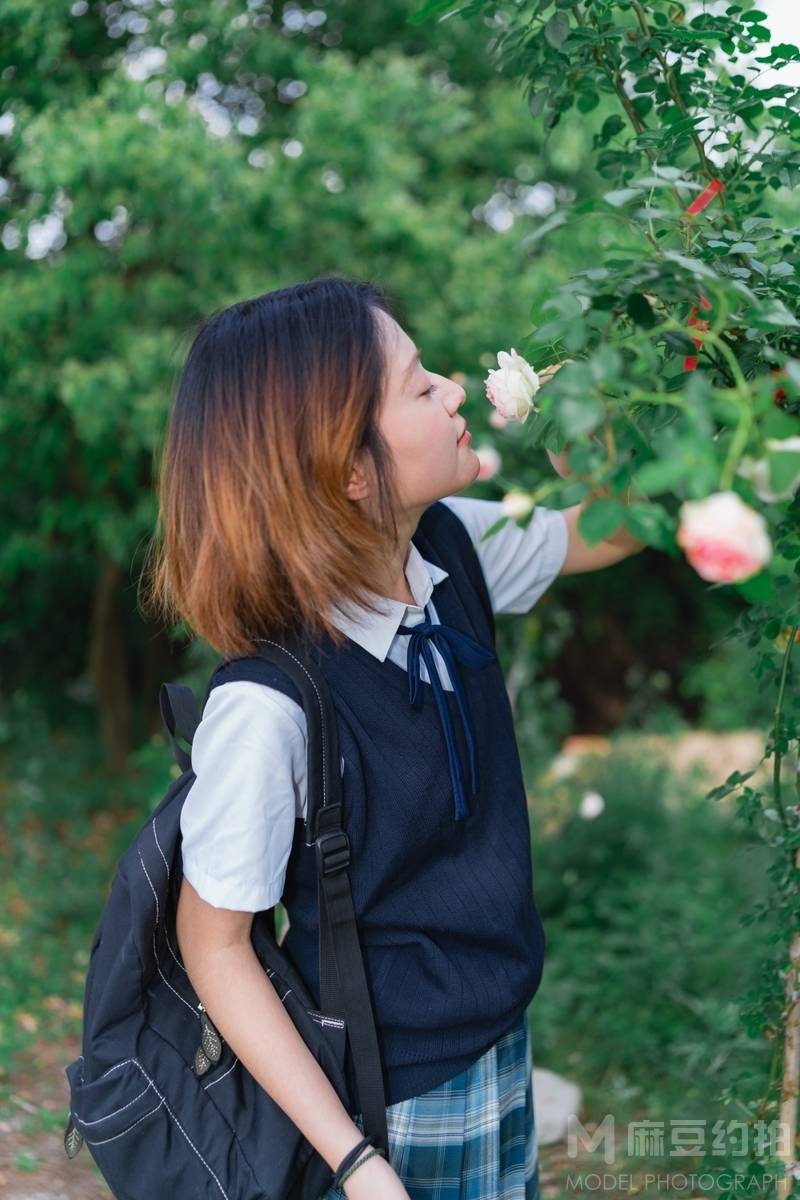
<point x="166" y="1108"/>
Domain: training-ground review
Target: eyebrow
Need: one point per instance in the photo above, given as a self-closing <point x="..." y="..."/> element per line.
<point x="410" y="367"/>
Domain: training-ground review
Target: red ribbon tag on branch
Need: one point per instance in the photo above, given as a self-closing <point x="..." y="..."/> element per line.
<point x="690" y="361"/>
<point x="705" y="198"/>
<point x="702" y="201"/>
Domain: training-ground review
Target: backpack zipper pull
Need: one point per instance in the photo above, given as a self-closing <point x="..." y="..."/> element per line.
<point x="73" y="1138"/>
<point x="210" y="1049"/>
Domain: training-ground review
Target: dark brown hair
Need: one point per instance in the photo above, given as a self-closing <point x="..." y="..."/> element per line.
<point x="255" y="533"/>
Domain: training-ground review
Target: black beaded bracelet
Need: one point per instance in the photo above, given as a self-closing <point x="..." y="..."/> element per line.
<point x="349" y="1159"/>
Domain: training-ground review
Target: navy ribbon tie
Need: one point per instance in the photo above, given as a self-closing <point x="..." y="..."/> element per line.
<point x="452" y="645"/>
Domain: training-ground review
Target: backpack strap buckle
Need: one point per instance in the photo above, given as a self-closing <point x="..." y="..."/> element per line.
<point x="333" y="852"/>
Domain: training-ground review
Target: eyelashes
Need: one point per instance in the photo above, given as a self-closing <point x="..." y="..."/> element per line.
<point x="429" y="391"/>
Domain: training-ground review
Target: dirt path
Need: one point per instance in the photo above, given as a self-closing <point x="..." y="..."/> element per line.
<point x="33" y="1162"/>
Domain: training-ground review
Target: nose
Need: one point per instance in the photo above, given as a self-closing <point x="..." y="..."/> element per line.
<point x="453" y="396"/>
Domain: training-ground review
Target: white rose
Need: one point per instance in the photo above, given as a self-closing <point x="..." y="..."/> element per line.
<point x="724" y="539"/>
<point x="516" y="504"/>
<point x="511" y="386"/>
<point x="591" y="805"/>
<point x="757" y="471"/>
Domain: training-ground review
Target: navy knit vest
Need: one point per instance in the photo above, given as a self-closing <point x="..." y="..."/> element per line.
<point x="453" y="943"/>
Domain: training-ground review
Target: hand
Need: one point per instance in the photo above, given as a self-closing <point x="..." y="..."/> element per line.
<point x="559" y="461"/>
<point x="548" y="372"/>
<point x="376" y="1179"/>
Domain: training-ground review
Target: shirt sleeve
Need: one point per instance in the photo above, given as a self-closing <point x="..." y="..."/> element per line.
<point x="518" y="564"/>
<point x="238" y="818"/>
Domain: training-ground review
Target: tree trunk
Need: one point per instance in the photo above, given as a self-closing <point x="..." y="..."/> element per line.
<point x="107" y="664"/>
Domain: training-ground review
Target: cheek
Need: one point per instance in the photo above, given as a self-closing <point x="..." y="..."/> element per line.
<point x="422" y="439"/>
<point x="433" y="435"/>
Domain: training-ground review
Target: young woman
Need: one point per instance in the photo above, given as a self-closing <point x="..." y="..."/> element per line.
<point x="310" y="478"/>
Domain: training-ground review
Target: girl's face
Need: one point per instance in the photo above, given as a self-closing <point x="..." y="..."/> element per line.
<point x="421" y="423"/>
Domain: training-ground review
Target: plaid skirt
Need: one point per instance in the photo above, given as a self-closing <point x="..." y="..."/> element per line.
<point x="472" y="1137"/>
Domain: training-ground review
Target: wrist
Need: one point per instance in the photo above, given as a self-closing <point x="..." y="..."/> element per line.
<point x="359" y="1167"/>
<point x="345" y="1141"/>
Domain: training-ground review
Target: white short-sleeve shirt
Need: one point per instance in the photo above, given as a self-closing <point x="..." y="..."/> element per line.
<point x="249" y="750"/>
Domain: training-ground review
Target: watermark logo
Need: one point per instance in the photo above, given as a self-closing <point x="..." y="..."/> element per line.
<point x="695" y="1183"/>
<point x="680" y="1138"/>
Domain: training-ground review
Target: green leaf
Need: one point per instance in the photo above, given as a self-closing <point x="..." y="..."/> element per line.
<point x="576" y="415"/>
<point x="621" y="196"/>
<point x="537" y="102"/>
<point x="639" y="310"/>
<point x="784" y="468"/>
<point x="779" y="424"/>
<point x="611" y="127"/>
<point x="587" y="101"/>
<point x="556" y="31"/>
<point x="429" y="8"/>
<point x="565" y="303"/>
<point x="493" y="528"/>
<point x="661" y="475"/>
<point x="650" y="522"/>
<point x="576" y="335"/>
<point x="605" y="364"/>
<point x="679" y="343"/>
<point x="547" y="226"/>
<point x="694" y="265"/>
<point x="757" y="588"/>
<point x="600" y="519"/>
<point x="773" y="312"/>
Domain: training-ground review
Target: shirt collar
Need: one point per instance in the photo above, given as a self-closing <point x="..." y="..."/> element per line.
<point x="376" y="631"/>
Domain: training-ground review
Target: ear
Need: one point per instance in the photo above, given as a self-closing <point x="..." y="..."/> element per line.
<point x="357" y="486"/>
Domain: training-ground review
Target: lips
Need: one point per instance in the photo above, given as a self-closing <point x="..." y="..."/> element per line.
<point x="464" y="435"/>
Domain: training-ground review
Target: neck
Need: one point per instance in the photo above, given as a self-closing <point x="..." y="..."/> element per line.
<point x="394" y="585"/>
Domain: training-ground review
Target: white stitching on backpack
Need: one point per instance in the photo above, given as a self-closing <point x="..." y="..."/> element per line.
<point x="211" y="1082"/>
<point x="114" y="1137"/>
<point x="270" y="972"/>
<point x="185" y="1134"/>
<point x="116" y="1110"/>
<point x="125" y="1061"/>
<point x="191" y="1007"/>
<point x="321" y="1019"/>
<point x="116" y="1066"/>
<point x="139" y="1067"/>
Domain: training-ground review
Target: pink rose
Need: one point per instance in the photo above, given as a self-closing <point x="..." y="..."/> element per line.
<point x="724" y="539"/>
<point x="490" y="461"/>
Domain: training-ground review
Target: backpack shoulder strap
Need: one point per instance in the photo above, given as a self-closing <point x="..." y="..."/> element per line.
<point x="180" y="717"/>
<point x="288" y="667"/>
